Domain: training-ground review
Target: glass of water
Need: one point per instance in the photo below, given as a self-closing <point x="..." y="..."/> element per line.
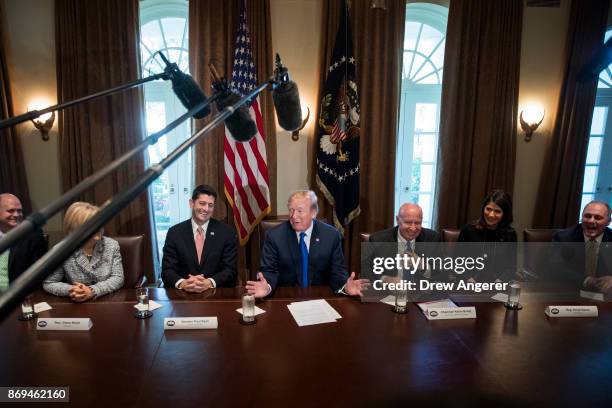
<point x="401" y="301"/>
<point x="248" y="309"/>
<point x="142" y="308"/>
<point x="514" y="295"/>
<point x="27" y="309"/>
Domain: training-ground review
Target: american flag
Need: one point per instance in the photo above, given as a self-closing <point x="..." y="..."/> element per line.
<point x="246" y="169"/>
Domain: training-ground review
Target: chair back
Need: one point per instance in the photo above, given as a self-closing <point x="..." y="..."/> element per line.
<point x="132" y="254"/>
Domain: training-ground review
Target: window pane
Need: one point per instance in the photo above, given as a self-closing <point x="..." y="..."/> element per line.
<point x="425" y="117"/>
<point x="425" y="203"/>
<point x="586" y="198"/>
<point x="438" y="57"/>
<point x="156" y="116"/>
<point x="173" y="31"/>
<point x="412" y="30"/>
<point x="594" y="151"/>
<point x="418" y="61"/>
<point x="151" y="36"/>
<point x="590" y="179"/>
<point x="426" y="178"/>
<point x="425" y="147"/>
<point x="600" y="115"/>
<point x="430" y="37"/>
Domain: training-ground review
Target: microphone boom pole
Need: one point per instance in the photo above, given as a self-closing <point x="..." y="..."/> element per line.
<point x="28" y="280"/>
<point x="38" y="219"/>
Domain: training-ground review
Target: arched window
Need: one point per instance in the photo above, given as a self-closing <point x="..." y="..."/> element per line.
<point x="598" y="168"/>
<point x="164" y="27"/>
<point x="417" y="141"/>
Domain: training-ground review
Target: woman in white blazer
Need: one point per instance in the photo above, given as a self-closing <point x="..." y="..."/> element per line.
<point x="92" y="271"/>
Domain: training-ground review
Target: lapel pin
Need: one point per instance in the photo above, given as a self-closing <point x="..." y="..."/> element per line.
<point x="317" y="239"/>
<point x="212" y="233"/>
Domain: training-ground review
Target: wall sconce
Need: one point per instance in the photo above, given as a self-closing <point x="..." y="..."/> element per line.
<point x="531" y="117"/>
<point x="44" y="122"/>
<point x="295" y="135"/>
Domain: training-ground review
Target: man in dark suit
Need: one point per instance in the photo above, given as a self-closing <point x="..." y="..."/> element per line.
<point x="22" y="255"/>
<point x="409" y="236"/>
<point x="303" y="252"/>
<point x="200" y="253"/>
<point x="588" y="265"/>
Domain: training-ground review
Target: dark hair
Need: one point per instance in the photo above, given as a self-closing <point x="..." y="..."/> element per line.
<point x="203" y="189"/>
<point x="503" y="200"/>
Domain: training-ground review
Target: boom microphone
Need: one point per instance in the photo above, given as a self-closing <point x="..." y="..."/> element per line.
<point x="185" y="88"/>
<point x="240" y="123"/>
<point x="286" y="98"/>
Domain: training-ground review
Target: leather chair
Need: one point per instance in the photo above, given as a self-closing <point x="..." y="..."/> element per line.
<point x="539" y="235"/>
<point x="132" y="254"/>
<point x="536" y="255"/>
<point x="450" y="234"/>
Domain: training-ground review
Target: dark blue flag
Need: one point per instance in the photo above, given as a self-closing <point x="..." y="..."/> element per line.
<point x="338" y="130"/>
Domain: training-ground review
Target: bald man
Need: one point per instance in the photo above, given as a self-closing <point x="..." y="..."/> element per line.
<point x="409" y="234"/>
<point x="27" y="251"/>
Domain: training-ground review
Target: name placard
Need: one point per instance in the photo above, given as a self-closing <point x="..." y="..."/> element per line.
<point x="190" y="323"/>
<point x="571" y="311"/>
<point x="63" y="323"/>
<point x="443" y="313"/>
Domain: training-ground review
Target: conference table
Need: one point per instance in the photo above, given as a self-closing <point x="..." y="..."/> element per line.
<point x="369" y="357"/>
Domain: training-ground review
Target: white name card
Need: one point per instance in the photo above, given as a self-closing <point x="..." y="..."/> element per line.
<point x="443" y="313"/>
<point x="571" y="311"/>
<point x="63" y="323"/>
<point x="592" y="295"/>
<point x="190" y="323"/>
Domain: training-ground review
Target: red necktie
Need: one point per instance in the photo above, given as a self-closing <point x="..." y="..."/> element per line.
<point x="199" y="241"/>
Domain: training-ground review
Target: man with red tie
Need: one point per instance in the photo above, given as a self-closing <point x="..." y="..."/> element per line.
<point x="200" y="253"/>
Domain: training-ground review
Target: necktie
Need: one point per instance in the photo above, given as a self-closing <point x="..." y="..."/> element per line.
<point x="304" y="256"/>
<point x="199" y="241"/>
<point x="590" y="267"/>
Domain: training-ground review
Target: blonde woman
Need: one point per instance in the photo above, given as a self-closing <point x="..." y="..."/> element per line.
<point x="92" y="271"/>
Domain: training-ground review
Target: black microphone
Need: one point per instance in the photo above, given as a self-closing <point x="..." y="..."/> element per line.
<point x="286" y="98"/>
<point x="240" y="123"/>
<point x="185" y="88"/>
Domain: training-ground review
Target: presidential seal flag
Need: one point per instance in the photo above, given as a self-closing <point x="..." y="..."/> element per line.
<point x="246" y="177"/>
<point x="338" y="131"/>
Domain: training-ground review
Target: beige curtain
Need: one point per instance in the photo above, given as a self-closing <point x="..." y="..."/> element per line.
<point x="98" y="48"/>
<point x="378" y="37"/>
<point x="479" y="106"/>
<point x="560" y="192"/>
<point x="12" y="171"/>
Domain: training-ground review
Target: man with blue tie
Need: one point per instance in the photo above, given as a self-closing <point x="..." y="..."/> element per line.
<point x="303" y="252"/>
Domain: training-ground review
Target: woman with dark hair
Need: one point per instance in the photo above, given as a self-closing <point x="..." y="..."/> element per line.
<point x="493" y="229"/>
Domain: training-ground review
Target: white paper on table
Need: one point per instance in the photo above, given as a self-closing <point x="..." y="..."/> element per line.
<point x="389" y="300"/>
<point x="436" y="304"/>
<point x="152" y="306"/>
<point x="258" y="311"/>
<point x="309" y="313"/>
<point x="500" y="297"/>
<point x="42" y="307"/>
<point x="592" y="295"/>
<point x="333" y="312"/>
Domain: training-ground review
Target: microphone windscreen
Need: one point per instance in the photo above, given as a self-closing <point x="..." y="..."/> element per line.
<point x="287" y="105"/>
<point x="240" y="124"/>
<point x="189" y="93"/>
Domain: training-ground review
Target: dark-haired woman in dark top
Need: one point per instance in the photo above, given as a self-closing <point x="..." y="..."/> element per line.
<point x="498" y="237"/>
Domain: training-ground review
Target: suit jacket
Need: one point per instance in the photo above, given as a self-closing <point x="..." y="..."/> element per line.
<point x="25" y="253"/>
<point x="103" y="272"/>
<point x="218" y="259"/>
<point x="423" y="245"/>
<point x="280" y="258"/>
<point x="569" y="256"/>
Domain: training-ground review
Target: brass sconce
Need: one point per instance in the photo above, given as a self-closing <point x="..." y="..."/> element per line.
<point x="44" y="122"/>
<point x="295" y="135"/>
<point x="530" y="118"/>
